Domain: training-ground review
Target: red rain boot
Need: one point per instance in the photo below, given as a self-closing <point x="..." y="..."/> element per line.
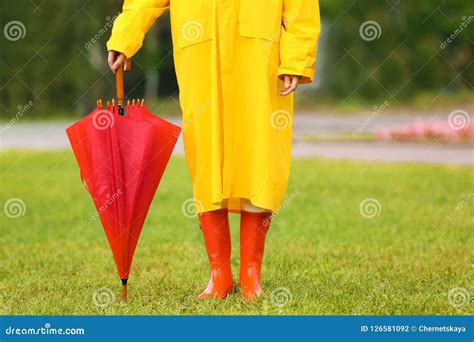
<point x="253" y="229"/>
<point x="215" y="228"/>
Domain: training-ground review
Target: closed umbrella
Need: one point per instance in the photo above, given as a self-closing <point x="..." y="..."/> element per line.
<point x="122" y="152"/>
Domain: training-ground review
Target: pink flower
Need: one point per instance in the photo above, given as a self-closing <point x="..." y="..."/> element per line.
<point x="434" y="129"/>
<point x="383" y="135"/>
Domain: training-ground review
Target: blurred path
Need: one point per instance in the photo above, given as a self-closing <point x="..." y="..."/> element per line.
<point x="51" y="136"/>
<point x="388" y="152"/>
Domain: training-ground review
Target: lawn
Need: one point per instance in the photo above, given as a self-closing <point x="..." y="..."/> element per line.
<point x="327" y="252"/>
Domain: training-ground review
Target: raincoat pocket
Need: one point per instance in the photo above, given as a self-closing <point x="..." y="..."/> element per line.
<point x="195" y="31"/>
<point x="261" y="19"/>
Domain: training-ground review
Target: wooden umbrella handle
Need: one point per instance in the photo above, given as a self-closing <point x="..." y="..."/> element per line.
<point x="119" y="81"/>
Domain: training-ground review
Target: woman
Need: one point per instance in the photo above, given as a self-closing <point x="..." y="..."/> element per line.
<point x="237" y="64"/>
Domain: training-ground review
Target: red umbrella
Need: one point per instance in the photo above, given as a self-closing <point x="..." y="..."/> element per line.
<point x="121" y="160"/>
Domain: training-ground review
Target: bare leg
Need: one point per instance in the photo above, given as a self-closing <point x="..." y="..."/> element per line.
<point x="250" y="208"/>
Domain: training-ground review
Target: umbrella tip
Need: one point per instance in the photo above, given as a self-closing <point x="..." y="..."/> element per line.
<point x="124" y="289"/>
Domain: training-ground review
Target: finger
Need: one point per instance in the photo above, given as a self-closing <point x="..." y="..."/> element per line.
<point x="287" y="81"/>
<point x="125" y="63"/>
<point x="284" y="92"/>
<point x="294" y="84"/>
<point x="292" y="87"/>
<point x="111" y="58"/>
<point x="118" y="62"/>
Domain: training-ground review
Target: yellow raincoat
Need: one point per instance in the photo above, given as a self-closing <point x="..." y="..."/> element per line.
<point x="229" y="55"/>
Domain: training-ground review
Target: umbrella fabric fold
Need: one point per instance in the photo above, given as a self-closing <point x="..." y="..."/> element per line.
<point x="122" y="160"/>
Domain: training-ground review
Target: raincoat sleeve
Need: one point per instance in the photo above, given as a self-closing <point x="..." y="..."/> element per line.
<point x="298" y="42"/>
<point x="132" y="24"/>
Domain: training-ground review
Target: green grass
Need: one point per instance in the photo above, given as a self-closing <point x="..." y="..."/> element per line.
<point x="320" y="249"/>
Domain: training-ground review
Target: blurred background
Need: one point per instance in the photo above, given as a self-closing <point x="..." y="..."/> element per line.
<point x="53" y="53"/>
<point x="386" y="71"/>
